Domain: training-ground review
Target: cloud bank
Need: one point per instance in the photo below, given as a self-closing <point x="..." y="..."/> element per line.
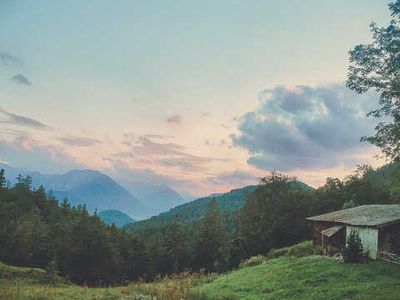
<point x="170" y="155"/>
<point x="21" y="79"/>
<point x="10" y="118"/>
<point x="77" y="141"/>
<point x="31" y="154"/>
<point x="9" y="60"/>
<point x="305" y="127"/>
<point x="176" y="120"/>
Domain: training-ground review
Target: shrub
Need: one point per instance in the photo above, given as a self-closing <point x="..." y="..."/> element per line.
<point x="299" y="250"/>
<point x="253" y="261"/>
<point x="302" y="249"/>
<point x="275" y="253"/>
<point x="51" y="275"/>
<point x="173" y="287"/>
<point x="354" y="252"/>
<point x="12" y="272"/>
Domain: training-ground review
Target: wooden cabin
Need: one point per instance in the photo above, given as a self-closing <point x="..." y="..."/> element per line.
<point x="377" y="225"/>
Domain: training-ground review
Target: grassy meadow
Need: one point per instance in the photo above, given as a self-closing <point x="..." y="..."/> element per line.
<point x="288" y="273"/>
<point x="308" y="278"/>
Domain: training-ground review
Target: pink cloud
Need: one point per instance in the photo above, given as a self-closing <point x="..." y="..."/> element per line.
<point x="24" y="142"/>
<point x="174" y="120"/>
<point x="149" y="148"/>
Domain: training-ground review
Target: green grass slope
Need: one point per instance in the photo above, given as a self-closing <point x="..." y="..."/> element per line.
<point x="10" y="272"/>
<point x="306" y="278"/>
<point x="29" y="283"/>
<point x="287" y="273"/>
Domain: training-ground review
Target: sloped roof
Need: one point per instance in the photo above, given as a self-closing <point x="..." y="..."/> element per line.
<point x="331" y="231"/>
<point x="365" y="215"/>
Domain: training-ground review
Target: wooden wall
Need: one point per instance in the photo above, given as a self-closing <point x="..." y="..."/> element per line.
<point x="389" y="239"/>
<point x="316" y="228"/>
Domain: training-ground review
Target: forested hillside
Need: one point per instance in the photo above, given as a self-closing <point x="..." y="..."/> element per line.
<point x="213" y="233"/>
<point x="228" y="204"/>
<point x="193" y="211"/>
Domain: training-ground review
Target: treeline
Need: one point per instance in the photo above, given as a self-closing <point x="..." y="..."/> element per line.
<point x="272" y="216"/>
<point x="36" y="230"/>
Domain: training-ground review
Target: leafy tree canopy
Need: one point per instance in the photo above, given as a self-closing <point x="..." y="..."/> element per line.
<point x="376" y="67"/>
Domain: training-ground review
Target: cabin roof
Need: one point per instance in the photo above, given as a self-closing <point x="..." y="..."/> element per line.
<point x="365" y="215"/>
<point x="331" y="231"/>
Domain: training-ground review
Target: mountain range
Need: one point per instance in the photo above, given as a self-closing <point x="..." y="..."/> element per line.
<point x="99" y="191"/>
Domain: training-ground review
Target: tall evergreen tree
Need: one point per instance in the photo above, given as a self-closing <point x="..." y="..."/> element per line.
<point x="175" y="245"/>
<point x="24" y="183"/>
<point x="2" y="179"/>
<point x="210" y="239"/>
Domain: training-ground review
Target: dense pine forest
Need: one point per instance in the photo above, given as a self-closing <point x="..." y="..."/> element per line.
<point x="36" y="230"/>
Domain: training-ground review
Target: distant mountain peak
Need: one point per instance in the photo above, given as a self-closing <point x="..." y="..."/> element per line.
<point x="100" y="191"/>
<point x="89" y="187"/>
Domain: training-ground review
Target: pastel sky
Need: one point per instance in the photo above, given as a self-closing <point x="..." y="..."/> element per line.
<point x="201" y="95"/>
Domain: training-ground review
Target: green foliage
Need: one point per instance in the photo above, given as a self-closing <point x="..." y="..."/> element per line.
<point x="113" y="216"/>
<point x="11" y="272"/>
<point x="282" y="278"/>
<point x="274" y="215"/>
<point x="174" y="287"/>
<point x="253" y="261"/>
<point x="52" y="274"/>
<point x="2" y="179"/>
<point x="354" y="252"/>
<point x="190" y="213"/>
<point x="35" y="230"/>
<point x="175" y="246"/>
<point x="365" y="186"/>
<point x="375" y="67"/>
<point x="210" y="239"/>
<point x="299" y="250"/>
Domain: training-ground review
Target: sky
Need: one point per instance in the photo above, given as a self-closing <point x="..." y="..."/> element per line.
<point x="203" y="96"/>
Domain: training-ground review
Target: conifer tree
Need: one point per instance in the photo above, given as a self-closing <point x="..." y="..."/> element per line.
<point x="210" y="239"/>
<point x="2" y="179"/>
<point x="175" y="244"/>
<point x="354" y="251"/>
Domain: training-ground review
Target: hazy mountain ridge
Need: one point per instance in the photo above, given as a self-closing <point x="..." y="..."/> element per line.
<point x="85" y="187"/>
<point x="113" y="216"/>
<point x="101" y="192"/>
<point x="159" y="197"/>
